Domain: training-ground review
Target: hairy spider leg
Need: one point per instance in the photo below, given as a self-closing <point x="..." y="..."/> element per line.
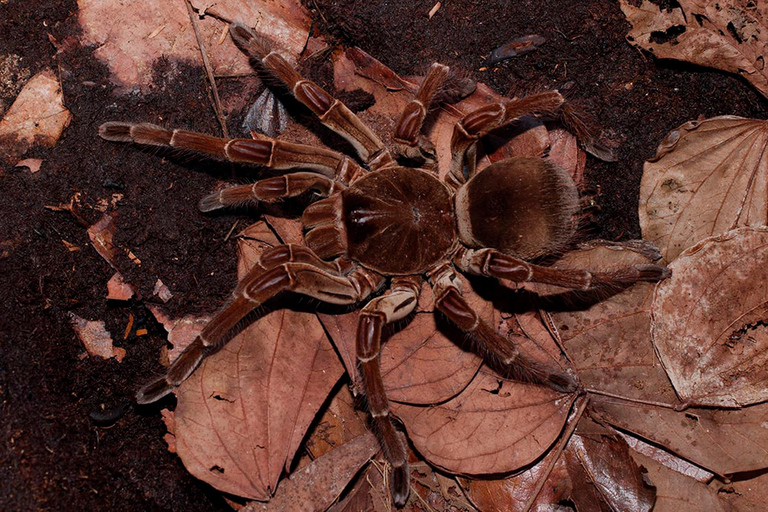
<point x="291" y="269"/>
<point x="481" y="121"/>
<point x="492" y="263"/>
<point x="264" y="151"/>
<point x="501" y="352"/>
<point x="411" y="143"/>
<point x="330" y="111"/>
<point x="398" y="303"/>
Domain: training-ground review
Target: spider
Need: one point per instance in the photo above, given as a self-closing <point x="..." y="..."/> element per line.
<point x="385" y="225"/>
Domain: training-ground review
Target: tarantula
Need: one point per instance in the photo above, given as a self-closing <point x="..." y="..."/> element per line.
<point x="382" y="222"/>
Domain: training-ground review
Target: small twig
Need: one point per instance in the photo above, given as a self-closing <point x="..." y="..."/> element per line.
<point x="230" y="231"/>
<point x="580" y="407"/>
<point x="208" y="71"/>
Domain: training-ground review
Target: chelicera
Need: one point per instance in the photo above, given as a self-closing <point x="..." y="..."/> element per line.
<point x="384" y="226"/>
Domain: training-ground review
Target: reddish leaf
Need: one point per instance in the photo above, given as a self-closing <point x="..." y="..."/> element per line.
<point x="667" y="459"/>
<point x="676" y="492"/>
<point x="242" y="415"/>
<point x="372" y="69"/>
<point x="723" y="442"/>
<point x="493" y="426"/>
<point x="708" y="320"/>
<point x="316" y="486"/>
<point x="95" y="338"/>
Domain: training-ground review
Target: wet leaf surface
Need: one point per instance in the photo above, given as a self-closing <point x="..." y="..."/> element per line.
<point x="708" y="320"/>
<point x="707" y="177"/>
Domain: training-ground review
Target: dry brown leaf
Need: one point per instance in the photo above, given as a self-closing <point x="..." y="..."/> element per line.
<point x="101" y="234"/>
<point x="676" y="492"/>
<point x="708" y="177"/>
<point x="131" y="35"/>
<point x="722" y="441"/>
<point x="242" y="415"/>
<point x="604" y="457"/>
<point x="607" y="337"/>
<point x="708" y="320"/>
<point x="369" y="494"/>
<point x="181" y="332"/>
<point x="162" y="292"/>
<point x="339" y="424"/>
<point x="730" y="35"/>
<point x="493" y="426"/>
<point x="316" y="486"/>
<point x="745" y="493"/>
<point x="33" y="164"/>
<point x="38" y="116"/>
<point x="95" y="337"/>
<point x="435" y="491"/>
<point x="667" y="459"/>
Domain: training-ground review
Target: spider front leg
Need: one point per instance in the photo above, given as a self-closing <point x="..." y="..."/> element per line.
<point x="497" y="350"/>
<point x="398" y="303"/>
<point x="296" y="270"/>
<point x="492" y="263"/>
<point x="478" y="123"/>
<point x="330" y="111"/>
<point x="411" y="144"/>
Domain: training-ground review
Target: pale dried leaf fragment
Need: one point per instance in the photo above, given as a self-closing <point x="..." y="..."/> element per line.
<point x="709" y="320"/>
<point x="708" y="177"/>
<point x="667" y="459"/>
<point x="242" y="415"/>
<point x="33" y="164"/>
<point x="730" y="35"/>
<point x="95" y="337"/>
<point x="118" y="289"/>
<point x="38" y="116"/>
<point x="131" y="35"/>
<point x="162" y="291"/>
<point x="101" y="234"/>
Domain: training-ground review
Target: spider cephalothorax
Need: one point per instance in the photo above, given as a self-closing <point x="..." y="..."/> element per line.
<point x="381" y="222"/>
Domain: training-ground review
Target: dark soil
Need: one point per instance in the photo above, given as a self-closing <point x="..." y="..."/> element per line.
<point x="53" y="455"/>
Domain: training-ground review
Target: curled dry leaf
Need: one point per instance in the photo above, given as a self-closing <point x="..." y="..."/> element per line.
<point x="709" y="320"/>
<point x="242" y="415"/>
<point x="722" y="441"/>
<point x="131" y="35"/>
<point x="730" y="35"/>
<point x="667" y="459"/>
<point x="95" y="337"/>
<point x="493" y="426"/>
<point x="708" y="177"/>
<point x="676" y="492"/>
<point x="38" y="116"/>
<point x="316" y="486"/>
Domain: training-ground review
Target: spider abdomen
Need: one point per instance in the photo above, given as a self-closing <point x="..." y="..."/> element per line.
<point x="399" y="221"/>
<point x="521" y="206"/>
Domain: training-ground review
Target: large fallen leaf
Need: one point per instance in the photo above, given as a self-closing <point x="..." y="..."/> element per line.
<point x="708" y="320"/>
<point x="316" y="486"/>
<point x="728" y="34"/>
<point x="676" y="492"/>
<point x="493" y="426"/>
<point x="145" y="32"/>
<point x="242" y="415"/>
<point x="708" y="177"/>
<point x="38" y="116"/>
<point x="607" y="334"/>
<point x="722" y="441"/>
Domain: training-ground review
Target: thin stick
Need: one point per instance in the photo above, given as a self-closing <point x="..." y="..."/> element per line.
<point x="581" y="405"/>
<point x="208" y="71"/>
<point x="675" y="407"/>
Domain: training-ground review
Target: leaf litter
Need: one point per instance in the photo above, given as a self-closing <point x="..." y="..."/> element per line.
<point x="615" y="374"/>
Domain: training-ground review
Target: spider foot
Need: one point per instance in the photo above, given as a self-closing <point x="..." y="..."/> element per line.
<point x="400" y="485"/>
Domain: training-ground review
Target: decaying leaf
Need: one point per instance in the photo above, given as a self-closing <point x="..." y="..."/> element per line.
<point x="118" y="289"/>
<point x="316" y="486"/>
<point x="676" y="492"/>
<point x="38" y="116"/>
<point x="708" y="177"/>
<point x="722" y="441"/>
<point x="709" y="320"/>
<point x="95" y="337"/>
<point x="730" y="35"/>
<point x="242" y="415"/>
<point x="667" y="459"/>
<point x="164" y="30"/>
